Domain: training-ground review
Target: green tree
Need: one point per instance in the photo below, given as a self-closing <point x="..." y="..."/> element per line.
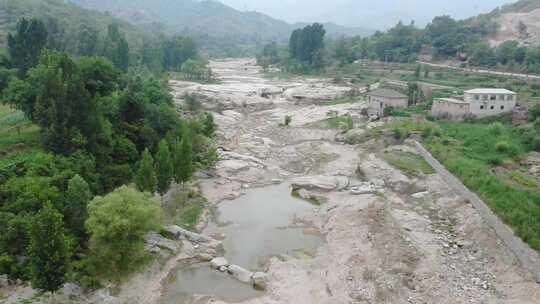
<point x="116" y="47"/>
<point x="306" y="44"/>
<point x="117" y="224"/>
<point x="209" y="126"/>
<point x="26" y="44"/>
<point x="62" y="107"/>
<point x="164" y="167"/>
<point x="48" y="251"/>
<point x="483" y="55"/>
<point x="78" y="196"/>
<point x="145" y="178"/>
<point x="417" y="72"/>
<point x="87" y="41"/>
<point x="56" y="35"/>
<point x="183" y="154"/>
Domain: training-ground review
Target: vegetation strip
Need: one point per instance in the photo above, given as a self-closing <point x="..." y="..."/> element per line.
<point x="527" y="256"/>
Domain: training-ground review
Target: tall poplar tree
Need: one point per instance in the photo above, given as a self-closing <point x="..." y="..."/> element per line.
<point x="47" y="250"/>
<point x="145" y="179"/>
<point x="26" y="44"/>
<point x="164" y="168"/>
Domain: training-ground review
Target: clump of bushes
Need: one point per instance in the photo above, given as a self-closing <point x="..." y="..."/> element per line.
<point x="496" y="128"/>
<point x="502" y="147"/>
<point x="400" y="134"/>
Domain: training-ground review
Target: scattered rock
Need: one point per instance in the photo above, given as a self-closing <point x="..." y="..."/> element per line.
<point x="223" y="268"/>
<point x="326" y="183"/>
<point x="4" y="281"/>
<point x="277" y="181"/>
<point x="370" y="187"/>
<point x="240" y="273"/>
<point x="217" y="263"/>
<point x="420" y="195"/>
<point x="72" y="290"/>
<point x="303" y="193"/>
<point x="205" y="257"/>
<point x="260" y="280"/>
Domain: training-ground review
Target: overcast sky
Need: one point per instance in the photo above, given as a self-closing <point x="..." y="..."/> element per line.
<point x="376" y="14"/>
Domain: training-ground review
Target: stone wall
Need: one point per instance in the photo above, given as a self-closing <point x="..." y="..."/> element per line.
<point x="377" y="103"/>
<point x="451" y="109"/>
<point x="528" y="257"/>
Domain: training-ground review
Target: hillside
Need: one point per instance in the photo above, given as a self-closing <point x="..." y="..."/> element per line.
<point x="519" y="21"/>
<point x="207" y="20"/>
<point x="69" y="16"/>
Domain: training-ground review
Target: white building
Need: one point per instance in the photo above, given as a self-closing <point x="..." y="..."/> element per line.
<point x="476" y="103"/>
<point x="489" y="102"/>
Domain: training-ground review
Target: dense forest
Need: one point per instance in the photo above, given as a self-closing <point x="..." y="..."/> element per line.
<point x="95" y="121"/>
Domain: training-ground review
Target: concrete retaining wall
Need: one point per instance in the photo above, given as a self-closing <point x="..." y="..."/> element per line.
<point x="529" y="258"/>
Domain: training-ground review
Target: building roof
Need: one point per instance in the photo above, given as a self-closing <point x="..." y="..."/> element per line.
<point x="453" y="100"/>
<point x="386" y="93"/>
<point x="489" y="91"/>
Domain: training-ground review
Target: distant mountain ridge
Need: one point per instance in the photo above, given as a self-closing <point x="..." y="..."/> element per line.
<point x="209" y="19"/>
<point x="69" y="16"/>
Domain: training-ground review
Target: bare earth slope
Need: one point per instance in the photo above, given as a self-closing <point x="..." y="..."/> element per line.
<point x="510" y="28"/>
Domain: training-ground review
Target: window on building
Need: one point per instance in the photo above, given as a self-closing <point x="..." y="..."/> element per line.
<point x="481" y="107"/>
<point x="510" y="97"/>
<point x="382" y="105"/>
<point x="502" y="107"/>
<point x="493" y="97"/>
<point x="484" y="97"/>
<point x="500" y="97"/>
<point x="492" y="107"/>
<point x="476" y="97"/>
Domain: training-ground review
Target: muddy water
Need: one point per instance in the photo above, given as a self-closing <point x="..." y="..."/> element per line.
<point x="256" y="225"/>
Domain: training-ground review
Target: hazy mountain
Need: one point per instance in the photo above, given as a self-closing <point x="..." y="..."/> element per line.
<point x="378" y="14"/>
<point x="69" y="16"/>
<point x="207" y="19"/>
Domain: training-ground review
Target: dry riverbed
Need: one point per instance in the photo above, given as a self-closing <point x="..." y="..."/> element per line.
<point x="388" y="236"/>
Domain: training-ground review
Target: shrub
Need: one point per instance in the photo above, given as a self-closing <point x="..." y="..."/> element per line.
<point x="535" y="112"/>
<point x="502" y="147"/>
<point x="496" y="128"/>
<point x="117" y="224"/>
<point x="400" y="134"/>
<point x="347" y="124"/>
<point x="427" y="132"/>
<point x="287" y="121"/>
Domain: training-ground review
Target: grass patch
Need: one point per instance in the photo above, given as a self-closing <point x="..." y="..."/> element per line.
<point x="338" y="122"/>
<point x="409" y="163"/>
<point x="523" y="179"/>
<point x="338" y="102"/>
<point x="472" y="155"/>
<point x="190" y="214"/>
<point x="19" y="138"/>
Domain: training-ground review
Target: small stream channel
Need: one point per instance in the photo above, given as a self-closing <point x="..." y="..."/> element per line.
<point x="256" y="225"/>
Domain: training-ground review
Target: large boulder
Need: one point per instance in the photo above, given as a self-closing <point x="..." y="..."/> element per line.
<point x="260" y="280"/>
<point x="183" y="234"/>
<point x="325" y="183"/>
<point x="218" y="263"/>
<point x="155" y="242"/>
<point x="241" y="274"/>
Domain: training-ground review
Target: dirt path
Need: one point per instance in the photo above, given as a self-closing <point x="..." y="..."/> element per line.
<point x="483" y="71"/>
<point x="414" y="241"/>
